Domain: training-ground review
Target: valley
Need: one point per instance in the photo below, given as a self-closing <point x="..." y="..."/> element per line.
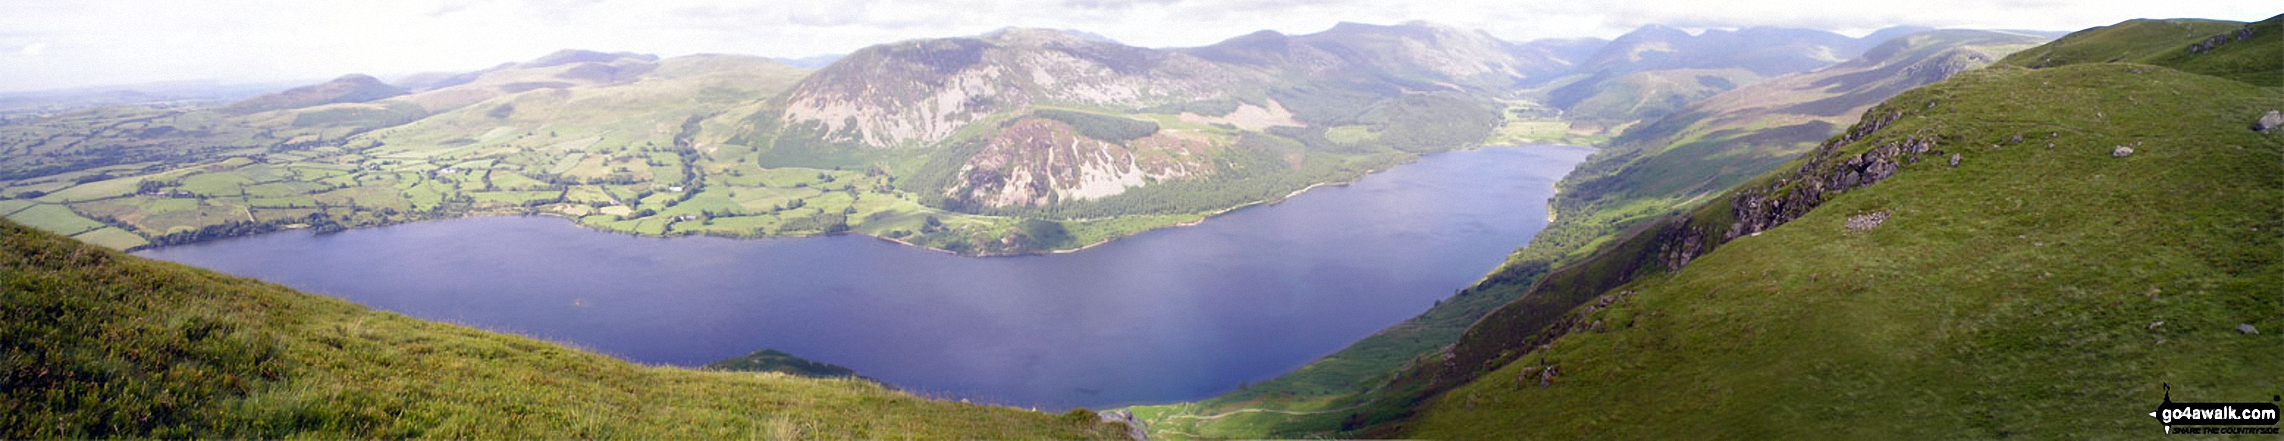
<point x="1749" y="232"/>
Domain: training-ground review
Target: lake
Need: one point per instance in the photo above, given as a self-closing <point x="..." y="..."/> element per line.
<point x="1168" y="315"/>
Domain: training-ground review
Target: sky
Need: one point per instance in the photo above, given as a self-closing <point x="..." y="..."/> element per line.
<point x="46" y="44"/>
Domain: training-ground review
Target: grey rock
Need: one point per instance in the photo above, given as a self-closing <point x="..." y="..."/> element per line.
<point x="1133" y="425"/>
<point x="2269" y="123"/>
<point x="2121" y="151"/>
<point x="1954" y="160"/>
<point x="2247" y="329"/>
<point x="1867" y="221"/>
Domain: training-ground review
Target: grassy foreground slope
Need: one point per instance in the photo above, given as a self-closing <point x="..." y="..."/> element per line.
<point x="2028" y="290"/>
<point x="102" y="344"/>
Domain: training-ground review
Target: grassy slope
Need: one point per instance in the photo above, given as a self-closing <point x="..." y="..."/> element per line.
<point x="1712" y="146"/>
<point x="2012" y="295"/>
<point x="2131" y="40"/>
<point x="101" y="344"/>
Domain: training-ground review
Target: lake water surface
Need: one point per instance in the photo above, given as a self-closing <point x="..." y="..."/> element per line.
<point x="1173" y="314"/>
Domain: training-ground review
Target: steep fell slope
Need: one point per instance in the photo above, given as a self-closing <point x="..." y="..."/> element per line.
<point x="2041" y="286"/>
<point x="102" y="344"/>
<point x="2239" y="51"/>
<point x="1672" y="164"/>
<point x="1706" y="148"/>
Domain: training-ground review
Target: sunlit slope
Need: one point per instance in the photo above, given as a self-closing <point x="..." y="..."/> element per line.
<point x="2026" y="291"/>
<point x="1673" y="163"/>
<point x="2241" y="51"/>
<point x="102" y="344"/>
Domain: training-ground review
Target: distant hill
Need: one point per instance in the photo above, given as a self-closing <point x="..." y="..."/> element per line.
<point x="1656" y="70"/>
<point x="103" y="344"/>
<point x="353" y="88"/>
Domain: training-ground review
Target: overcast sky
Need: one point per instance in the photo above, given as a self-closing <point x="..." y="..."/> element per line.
<point x="46" y="44"/>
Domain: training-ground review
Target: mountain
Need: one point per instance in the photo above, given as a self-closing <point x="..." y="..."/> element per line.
<point x="353" y="88"/>
<point x="103" y="344"/>
<point x="1716" y="143"/>
<point x="2240" y="51"/>
<point x="918" y="93"/>
<point x="1972" y="259"/>
<point x="1655" y="70"/>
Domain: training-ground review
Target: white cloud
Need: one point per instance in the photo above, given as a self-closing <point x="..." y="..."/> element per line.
<point x="125" y="41"/>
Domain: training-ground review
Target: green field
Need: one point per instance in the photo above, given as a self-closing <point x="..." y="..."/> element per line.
<point x="101" y="344"/>
<point x="54" y="218"/>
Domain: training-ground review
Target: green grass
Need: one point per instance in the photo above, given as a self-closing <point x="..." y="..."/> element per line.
<point x="55" y="218"/>
<point x="113" y="238"/>
<point x="2131" y="40"/>
<point x="2013" y="295"/>
<point x="1641" y="177"/>
<point x="109" y="188"/>
<point x="102" y="344"/>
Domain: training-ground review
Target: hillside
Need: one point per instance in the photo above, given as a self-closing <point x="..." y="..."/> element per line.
<point x="1656" y="70"/>
<point x="102" y="344"/>
<point x="2238" y="51"/>
<point x="1714" y="145"/>
<point x="2027" y="290"/>
<point x="347" y="89"/>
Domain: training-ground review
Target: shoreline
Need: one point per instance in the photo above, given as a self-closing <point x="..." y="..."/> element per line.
<point x="527" y="211"/>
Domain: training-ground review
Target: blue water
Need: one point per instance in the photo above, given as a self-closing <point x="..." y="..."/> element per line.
<point x="1167" y="315"/>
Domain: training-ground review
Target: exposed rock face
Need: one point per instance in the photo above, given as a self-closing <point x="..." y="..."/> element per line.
<point x="1037" y="161"/>
<point x="920" y="92"/>
<point x="2269" y="123"/>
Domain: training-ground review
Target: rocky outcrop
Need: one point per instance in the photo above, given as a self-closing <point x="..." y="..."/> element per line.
<point x="2241" y="34"/>
<point x="1038" y="161"/>
<point x="1827" y="173"/>
<point x="1134" y="426"/>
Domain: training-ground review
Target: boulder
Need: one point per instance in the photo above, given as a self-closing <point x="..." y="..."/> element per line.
<point x="2247" y="329"/>
<point x="1954" y="160"/>
<point x="2121" y="151"/>
<point x="2269" y="123"/>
